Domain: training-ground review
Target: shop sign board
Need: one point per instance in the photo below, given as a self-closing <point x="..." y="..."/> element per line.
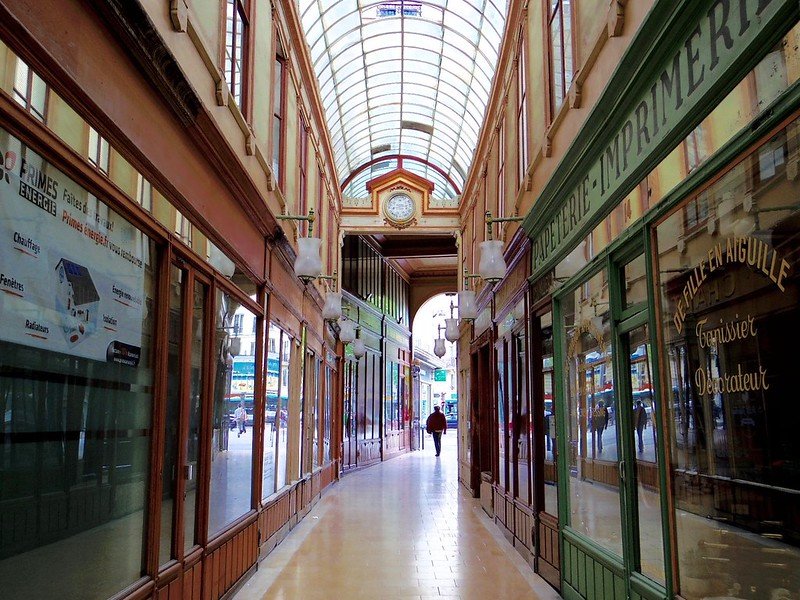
<point x="708" y="52"/>
<point x="71" y="270"/>
<point x="742" y="328"/>
<point x="440" y="375"/>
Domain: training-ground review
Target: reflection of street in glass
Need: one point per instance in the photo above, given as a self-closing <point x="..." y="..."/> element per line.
<point x="610" y="451"/>
<point x="230" y="480"/>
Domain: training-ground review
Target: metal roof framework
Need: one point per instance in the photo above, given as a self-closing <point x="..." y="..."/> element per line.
<point x="404" y="77"/>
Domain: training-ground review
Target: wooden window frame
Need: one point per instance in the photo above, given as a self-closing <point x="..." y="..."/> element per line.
<point x="95" y="154"/>
<point x="523" y="152"/>
<point x="303" y="163"/>
<point x="241" y="19"/>
<point x="25" y="97"/>
<point x="553" y="8"/>
<point x="279" y="115"/>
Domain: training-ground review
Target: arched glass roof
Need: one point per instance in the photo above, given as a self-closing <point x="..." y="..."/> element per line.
<point x="404" y="77"/>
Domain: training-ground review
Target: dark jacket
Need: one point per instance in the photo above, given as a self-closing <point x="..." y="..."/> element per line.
<point x="436" y="422"/>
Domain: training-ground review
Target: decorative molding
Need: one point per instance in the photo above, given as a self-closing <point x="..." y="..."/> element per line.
<point x="250" y="144"/>
<point x="575" y="92"/>
<point x="547" y="144"/>
<point x="616" y="18"/>
<point x="221" y="90"/>
<point x="179" y="15"/>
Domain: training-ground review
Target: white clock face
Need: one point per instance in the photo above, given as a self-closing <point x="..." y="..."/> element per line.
<point x="400" y="207"/>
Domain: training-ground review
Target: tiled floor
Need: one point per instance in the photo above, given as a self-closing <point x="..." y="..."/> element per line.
<point x="401" y="529"/>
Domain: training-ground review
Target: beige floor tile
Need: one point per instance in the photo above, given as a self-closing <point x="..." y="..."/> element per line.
<point x="404" y="529"/>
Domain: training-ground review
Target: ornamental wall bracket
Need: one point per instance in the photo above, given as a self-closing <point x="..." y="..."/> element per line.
<point x="221" y="90"/>
<point x="547" y="144"/>
<point x="576" y="92"/>
<point x="179" y="15"/>
<point x="250" y="143"/>
<point x="616" y="18"/>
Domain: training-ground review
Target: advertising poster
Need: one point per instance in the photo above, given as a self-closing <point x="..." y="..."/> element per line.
<point x="243" y="378"/>
<point x="71" y="270"/>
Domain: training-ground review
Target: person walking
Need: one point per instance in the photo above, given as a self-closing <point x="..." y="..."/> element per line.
<point x="599" y="423"/>
<point x="640" y="421"/>
<point x="240" y="415"/>
<point x="436" y="425"/>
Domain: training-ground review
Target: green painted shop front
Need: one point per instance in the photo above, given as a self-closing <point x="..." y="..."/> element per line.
<point x="669" y="240"/>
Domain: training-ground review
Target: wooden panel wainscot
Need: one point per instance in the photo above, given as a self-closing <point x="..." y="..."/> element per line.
<point x="227" y="562"/>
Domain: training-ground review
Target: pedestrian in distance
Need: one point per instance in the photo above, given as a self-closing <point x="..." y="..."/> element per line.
<point x="640" y="422"/>
<point x="599" y="423"/>
<point x="436" y="425"/>
<point x="240" y="415"/>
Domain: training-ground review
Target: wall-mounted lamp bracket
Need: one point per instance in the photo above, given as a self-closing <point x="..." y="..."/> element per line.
<point x="491" y="221"/>
<point x="310" y="217"/>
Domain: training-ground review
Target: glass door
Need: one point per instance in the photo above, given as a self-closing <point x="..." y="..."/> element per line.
<point x="641" y="440"/>
<point x="639" y="407"/>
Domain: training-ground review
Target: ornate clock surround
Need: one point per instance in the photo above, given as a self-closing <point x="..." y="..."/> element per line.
<point x="398" y="181"/>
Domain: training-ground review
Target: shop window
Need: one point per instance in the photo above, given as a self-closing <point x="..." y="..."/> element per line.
<point x="731" y="316"/>
<point x="315" y="437"/>
<point x="30" y="91"/>
<point x="76" y="398"/>
<point x="521" y="421"/>
<point x="98" y="151"/>
<point x="197" y="402"/>
<point x="173" y="402"/>
<point x="327" y="415"/>
<point x="502" y="420"/>
<point x="236" y="48"/>
<point x="592" y="422"/>
<point x="288" y="357"/>
<point x="231" y="439"/>
<point x="276" y="397"/>
<point x="561" y="62"/>
<point x="278" y="109"/>
<point x="550" y="475"/>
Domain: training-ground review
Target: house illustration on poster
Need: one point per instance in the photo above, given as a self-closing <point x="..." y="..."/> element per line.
<point x="77" y="300"/>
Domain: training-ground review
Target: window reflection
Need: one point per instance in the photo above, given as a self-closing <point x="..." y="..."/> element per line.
<point x="729" y="346"/>
<point x="595" y="509"/>
<point x="231" y="449"/>
<point x="75" y="455"/>
<point x="196" y="403"/>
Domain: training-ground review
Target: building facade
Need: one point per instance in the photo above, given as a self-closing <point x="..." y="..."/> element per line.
<point x="640" y="440"/>
<point x="148" y="292"/>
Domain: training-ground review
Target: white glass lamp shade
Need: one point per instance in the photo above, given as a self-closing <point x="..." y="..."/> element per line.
<point x="451" y="330"/>
<point x="359" y="348"/>
<point x="308" y="264"/>
<point x="438" y="347"/>
<point x="347" y="331"/>
<point x="466" y="305"/>
<point x="492" y="266"/>
<point x="333" y="306"/>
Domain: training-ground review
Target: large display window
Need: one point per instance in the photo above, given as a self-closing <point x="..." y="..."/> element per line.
<point x="730" y="310"/>
<point x="231" y="438"/>
<point x="592" y="415"/>
<point x="77" y="304"/>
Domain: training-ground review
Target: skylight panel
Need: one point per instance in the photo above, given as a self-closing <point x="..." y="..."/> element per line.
<point x="370" y="87"/>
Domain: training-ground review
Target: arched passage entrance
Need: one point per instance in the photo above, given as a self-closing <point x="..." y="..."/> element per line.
<point x="435" y="378"/>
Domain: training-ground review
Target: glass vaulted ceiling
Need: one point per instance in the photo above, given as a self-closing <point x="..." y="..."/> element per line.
<point x="404" y="78"/>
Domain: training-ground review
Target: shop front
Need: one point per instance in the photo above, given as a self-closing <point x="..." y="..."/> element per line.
<point x="672" y="267"/>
